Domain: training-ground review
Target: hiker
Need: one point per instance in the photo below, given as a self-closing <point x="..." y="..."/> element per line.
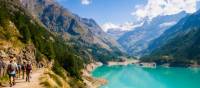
<point x="2" y="67"/>
<point x="19" y="69"/>
<point x="28" y="71"/>
<point x="14" y="61"/>
<point x="12" y="68"/>
<point x="23" y="68"/>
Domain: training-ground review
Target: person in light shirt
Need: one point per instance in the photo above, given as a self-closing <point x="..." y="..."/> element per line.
<point x="12" y="69"/>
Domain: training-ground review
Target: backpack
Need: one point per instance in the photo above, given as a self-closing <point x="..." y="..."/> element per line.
<point x="28" y="67"/>
<point x="23" y="67"/>
<point x="11" y="68"/>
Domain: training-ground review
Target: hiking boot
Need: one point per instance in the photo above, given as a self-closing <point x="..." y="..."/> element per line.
<point x="13" y="83"/>
<point x="26" y="79"/>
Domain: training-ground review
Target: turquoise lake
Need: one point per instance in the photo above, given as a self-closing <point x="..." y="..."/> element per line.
<point x="137" y="77"/>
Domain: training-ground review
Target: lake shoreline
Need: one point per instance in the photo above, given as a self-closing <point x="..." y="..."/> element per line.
<point x="124" y="63"/>
<point x="88" y="79"/>
<point x="183" y="65"/>
<point x="93" y="82"/>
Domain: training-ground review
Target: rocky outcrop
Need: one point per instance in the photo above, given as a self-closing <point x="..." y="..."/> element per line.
<point x="90" y="67"/>
<point x="20" y="55"/>
<point x="90" y="81"/>
<point x="28" y="54"/>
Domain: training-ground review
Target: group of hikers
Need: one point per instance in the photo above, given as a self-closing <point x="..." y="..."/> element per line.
<point x="15" y="70"/>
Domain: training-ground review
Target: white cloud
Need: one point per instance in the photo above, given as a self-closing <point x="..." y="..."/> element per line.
<point x="108" y="26"/>
<point x="122" y="27"/>
<point x="164" y="7"/>
<point x="85" y="2"/>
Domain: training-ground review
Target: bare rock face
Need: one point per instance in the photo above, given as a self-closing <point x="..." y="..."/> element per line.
<point x="28" y="54"/>
<point x="19" y="55"/>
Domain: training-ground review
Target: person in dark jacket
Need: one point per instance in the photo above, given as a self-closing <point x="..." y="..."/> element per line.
<point x="28" y="71"/>
<point x="23" y="68"/>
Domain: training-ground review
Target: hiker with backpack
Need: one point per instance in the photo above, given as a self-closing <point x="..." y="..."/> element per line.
<point x="12" y="68"/>
<point x="28" y="71"/>
<point x="23" y="68"/>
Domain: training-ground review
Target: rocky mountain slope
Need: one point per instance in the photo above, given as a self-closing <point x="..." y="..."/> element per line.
<point x="68" y="25"/>
<point x="179" y="45"/>
<point x="136" y="41"/>
<point x="116" y="33"/>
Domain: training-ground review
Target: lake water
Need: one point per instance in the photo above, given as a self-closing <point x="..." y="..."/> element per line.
<point x="137" y="77"/>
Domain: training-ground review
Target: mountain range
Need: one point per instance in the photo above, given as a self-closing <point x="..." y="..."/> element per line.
<point x="179" y="45"/>
<point x="136" y="41"/>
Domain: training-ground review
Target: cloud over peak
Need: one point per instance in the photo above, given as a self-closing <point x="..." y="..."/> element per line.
<point x="164" y="7"/>
<point x="85" y="2"/>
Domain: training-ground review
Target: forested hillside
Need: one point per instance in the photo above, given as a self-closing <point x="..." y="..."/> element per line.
<point x="180" y="44"/>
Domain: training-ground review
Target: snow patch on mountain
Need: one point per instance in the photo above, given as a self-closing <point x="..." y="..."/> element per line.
<point x="167" y="24"/>
<point x="121" y="27"/>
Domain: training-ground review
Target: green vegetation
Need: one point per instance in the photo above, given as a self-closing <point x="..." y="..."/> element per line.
<point x="180" y="51"/>
<point x="4" y="79"/>
<point x="98" y="53"/>
<point x="53" y="49"/>
<point x="45" y="42"/>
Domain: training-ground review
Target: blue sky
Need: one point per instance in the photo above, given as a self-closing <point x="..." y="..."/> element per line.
<point x="127" y="14"/>
<point x="115" y="11"/>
